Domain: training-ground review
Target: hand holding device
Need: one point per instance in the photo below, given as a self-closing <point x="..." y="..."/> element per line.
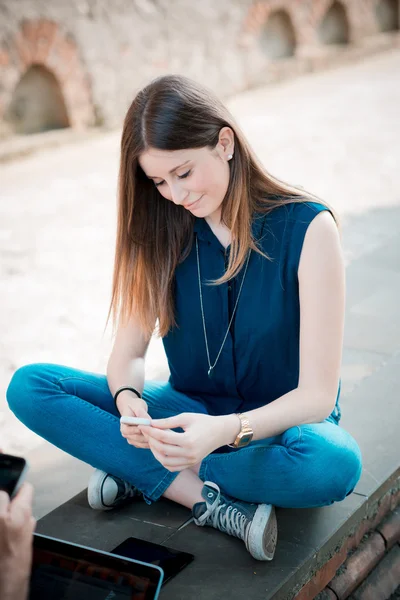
<point x="135" y="421"/>
<point x="16" y="531"/>
<point x="13" y="470"/>
<point x="133" y="407"/>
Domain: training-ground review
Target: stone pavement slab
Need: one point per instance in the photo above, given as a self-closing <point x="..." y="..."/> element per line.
<point x="372" y="416"/>
<point x="356" y="365"/>
<point x="371" y="332"/>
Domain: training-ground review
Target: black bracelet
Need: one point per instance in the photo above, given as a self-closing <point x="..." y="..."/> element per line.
<point x="125" y="387"/>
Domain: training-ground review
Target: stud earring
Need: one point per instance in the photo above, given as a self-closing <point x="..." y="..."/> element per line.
<point x="230" y="156"/>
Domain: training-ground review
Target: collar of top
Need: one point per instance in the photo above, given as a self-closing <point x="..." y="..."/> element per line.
<point x="205" y="233"/>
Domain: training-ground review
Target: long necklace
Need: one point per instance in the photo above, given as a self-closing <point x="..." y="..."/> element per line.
<point x="211" y="368"/>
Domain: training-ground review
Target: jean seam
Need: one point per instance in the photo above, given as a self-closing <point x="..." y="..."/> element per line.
<point x="224" y="457"/>
<point x="81" y="379"/>
<point x="202" y="471"/>
<point x="92" y="406"/>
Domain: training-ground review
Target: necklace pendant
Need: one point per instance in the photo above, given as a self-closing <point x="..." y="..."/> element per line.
<point x="210" y="372"/>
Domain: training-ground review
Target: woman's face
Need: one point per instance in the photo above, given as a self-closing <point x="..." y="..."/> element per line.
<point x="197" y="175"/>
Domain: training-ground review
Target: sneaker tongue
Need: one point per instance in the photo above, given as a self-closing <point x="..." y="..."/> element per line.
<point x="209" y="494"/>
<point x="199" y="509"/>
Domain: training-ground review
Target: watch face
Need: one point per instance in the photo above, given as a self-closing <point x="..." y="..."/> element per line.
<point x="245" y="439"/>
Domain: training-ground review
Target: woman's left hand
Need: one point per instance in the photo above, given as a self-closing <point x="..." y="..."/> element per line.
<point x="176" y="450"/>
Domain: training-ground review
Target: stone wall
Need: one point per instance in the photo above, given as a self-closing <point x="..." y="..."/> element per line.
<point x="79" y="63"/>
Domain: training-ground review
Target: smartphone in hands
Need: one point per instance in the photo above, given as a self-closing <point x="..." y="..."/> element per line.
<point x="135" y="421"/>
<point x="13" y="470"/>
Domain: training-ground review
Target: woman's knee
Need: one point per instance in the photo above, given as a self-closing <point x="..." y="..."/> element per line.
<point x="350" y="467"/>
<point x="337" y="460"/>
<point x="21" y="389"/>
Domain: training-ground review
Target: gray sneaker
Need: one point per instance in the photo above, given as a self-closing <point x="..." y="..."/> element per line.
<point x="107" y="491"/>
<point x="255" y="524"/>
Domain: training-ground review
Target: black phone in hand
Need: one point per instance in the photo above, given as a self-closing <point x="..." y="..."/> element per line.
<point x="12" y="473"/>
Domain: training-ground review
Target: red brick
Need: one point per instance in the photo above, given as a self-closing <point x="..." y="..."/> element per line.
<point x="323" y="576"/>
<point x="29" y="31"/>
<point x="46" y="36"/>
<point x="358" y="565"/>
<point x="64" y="58"/>
<point x="327" y="594"/>
<point x="388" y="526"/>
<point x="383" y="580"/>
<point x="24" y="50"/>
<point x="256" y="17"/>
<point x="4" y="58"/>
<point x="368" y="524"/>
<point x="49" y="29"/>
<point x="390" y="529"/>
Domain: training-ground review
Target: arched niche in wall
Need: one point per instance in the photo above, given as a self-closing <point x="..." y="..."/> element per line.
<point x="37" y="103"/>
<point x="42" y="61"/>
<point x="277" y="37"/>
<point x="387" y="15"/>
<point x="334" y="27"/>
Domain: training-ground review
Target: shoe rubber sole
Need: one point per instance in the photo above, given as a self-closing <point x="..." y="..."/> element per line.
<point x="263" y="533"/>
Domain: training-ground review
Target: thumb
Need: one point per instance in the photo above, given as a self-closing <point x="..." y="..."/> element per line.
<point x="140" y="411"/>
<point x="171" y="422"/>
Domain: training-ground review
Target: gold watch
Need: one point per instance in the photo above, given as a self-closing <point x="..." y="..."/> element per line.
<point x="245" y="434"/>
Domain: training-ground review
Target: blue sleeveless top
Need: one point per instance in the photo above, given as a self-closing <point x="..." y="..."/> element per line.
<point x="259" y="361"/>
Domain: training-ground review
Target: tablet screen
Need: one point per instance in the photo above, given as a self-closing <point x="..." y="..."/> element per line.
<point x="68" y="571"/>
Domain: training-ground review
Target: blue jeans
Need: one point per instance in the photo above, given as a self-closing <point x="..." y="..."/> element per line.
<point x="305" y="466"/>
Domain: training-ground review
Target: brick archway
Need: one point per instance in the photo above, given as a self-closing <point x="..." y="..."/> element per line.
<point x="257" y="18"/>
<point x="37" y="103"/>
<point x="387" y="15"/>
<point x="334" y="27"/>
<point x="277" y="37"/>
<point x="43" y="43"/>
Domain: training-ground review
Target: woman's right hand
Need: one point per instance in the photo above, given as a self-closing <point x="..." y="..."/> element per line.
<point x="16" y="542"/>
<point x="132" y="406"/>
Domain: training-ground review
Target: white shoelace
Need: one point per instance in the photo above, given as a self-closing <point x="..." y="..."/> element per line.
<point x="232" y="520"/>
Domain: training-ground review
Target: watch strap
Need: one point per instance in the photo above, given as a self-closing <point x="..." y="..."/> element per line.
<point x="245" y="428"/>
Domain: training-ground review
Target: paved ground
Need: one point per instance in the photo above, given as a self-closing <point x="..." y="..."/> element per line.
<point x="335" y="133"/>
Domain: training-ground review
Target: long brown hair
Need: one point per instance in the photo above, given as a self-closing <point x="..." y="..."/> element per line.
<point x="154" y="235"/>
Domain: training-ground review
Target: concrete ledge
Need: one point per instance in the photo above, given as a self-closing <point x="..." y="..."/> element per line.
<point x="313" y="543"/>
<point x="360" y="552"/>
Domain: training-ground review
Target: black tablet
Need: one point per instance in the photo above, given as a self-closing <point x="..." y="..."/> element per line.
<point x="67" y="571"/>
<point x="169" y="560"/>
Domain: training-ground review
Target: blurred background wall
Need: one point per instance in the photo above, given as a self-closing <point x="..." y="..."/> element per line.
<point x="77" y="63"/>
